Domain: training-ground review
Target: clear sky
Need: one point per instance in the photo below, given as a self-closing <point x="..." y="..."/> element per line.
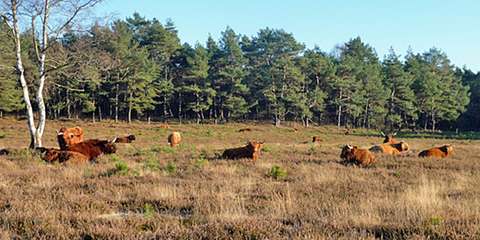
<point x="452" y="26"/>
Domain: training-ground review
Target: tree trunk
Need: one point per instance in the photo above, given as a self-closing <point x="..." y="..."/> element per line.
<point x="21" y="75"/>
<point x="180" y="107"/>
<point x="339" y="113"/>
<point x="434" y="121"/>
<point x="116" y="101"/>
<point x="41" y="84"/>
<point x="100" y="117"/>
<point x="130" y="107"/>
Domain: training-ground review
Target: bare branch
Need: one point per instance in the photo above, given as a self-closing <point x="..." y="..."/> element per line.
<point x="76" y="11"/>
<point x="69" y="88"/>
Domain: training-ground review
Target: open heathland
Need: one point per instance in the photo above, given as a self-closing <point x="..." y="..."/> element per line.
<point x="296" y="189"/>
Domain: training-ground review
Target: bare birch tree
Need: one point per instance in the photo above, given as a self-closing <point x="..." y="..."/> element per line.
<point x="52" y="17"/>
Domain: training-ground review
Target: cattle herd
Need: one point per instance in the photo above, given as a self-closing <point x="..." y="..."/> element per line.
<point x="390" y="146"/>
<point x="73" y="149"/>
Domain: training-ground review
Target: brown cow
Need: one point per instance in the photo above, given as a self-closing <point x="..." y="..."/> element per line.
<point x="389" y="138"/>
<point x="69" y="136"/>
<point x="52" y="155"/>
<point x="251" y="150"/>
<point x="356" y="155"/>
<point x="437" y="152"/>
<point x="245" y="130"/>
<point x="127" y="139"/>
<point x="174" y="139"/>
<point x="93" y="148"/>
<point x="316" y="139"/>
<point x="390" y="148"/>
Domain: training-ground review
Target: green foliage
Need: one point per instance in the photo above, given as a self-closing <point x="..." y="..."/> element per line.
<point x="121" y="168"/>
<point x="137" y="68"/>
<point x="2" y="135"/>
<point x="266" y="148"/>
<point x="170" y="168"/>
<point x="152" y="164"/>
<point x="277" y="172"/>
<point x="163" y="148"/>
<point x="148" y="210"/>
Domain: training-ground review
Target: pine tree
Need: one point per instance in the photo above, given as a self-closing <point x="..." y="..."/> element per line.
<point x="197" y="84"/>
<point x="10" y="93"/>
<point x="401" y="107"/>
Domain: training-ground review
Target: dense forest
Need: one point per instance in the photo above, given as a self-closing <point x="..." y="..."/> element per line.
<point x="138" y="68"/>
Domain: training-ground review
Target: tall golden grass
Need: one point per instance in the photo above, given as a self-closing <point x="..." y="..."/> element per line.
<point x="196" y="196"/>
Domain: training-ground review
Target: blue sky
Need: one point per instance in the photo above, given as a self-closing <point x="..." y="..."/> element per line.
<point x="452" y="26"/>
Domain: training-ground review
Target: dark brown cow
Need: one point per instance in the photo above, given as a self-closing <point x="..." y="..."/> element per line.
<point x="245" y="130"/>
<point x="52" y="155"/>
<point x="93" y="148"/>
<point x="356" y="155"/>
<point x="4" y="151"/>
<point x="69" y="136"/>
<point x="251" y="150"/>
<point x="437" y="152"/>
<point x="127" y="139"/>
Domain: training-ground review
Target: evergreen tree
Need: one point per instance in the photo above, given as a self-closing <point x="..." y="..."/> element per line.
<point x="10" y="93"/>
<point x="401" y="107"/>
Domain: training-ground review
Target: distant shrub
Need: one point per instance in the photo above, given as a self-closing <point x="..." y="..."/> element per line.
<point x="121" y="168"/>
<point x="202" y="159"/>
<point x="115" y="158"/>
<point x="266" y="149"/>
<point x="170" y="168"/>
<point x="148" y="210"/>
<point x="2" y="135"/>
<point x="436" y="220"/>
<point x="277" y="172"/>
<point x="209" y="133"/>
<point x="164" y="149"/>
<point x="152" y="164"/>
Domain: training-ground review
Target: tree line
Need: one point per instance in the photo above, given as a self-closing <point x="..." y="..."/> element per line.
<point x="138" y="68"/>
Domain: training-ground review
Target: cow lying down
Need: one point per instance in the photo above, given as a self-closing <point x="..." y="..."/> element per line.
<point x="353" y="154"/>
<point x="81" y="152"/>
<point x="251" y="150"/>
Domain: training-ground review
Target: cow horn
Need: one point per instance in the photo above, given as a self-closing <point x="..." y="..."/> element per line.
<point x="383" y="134"/>
<point x="394" y="134"/>
<point x="114" y="140"/>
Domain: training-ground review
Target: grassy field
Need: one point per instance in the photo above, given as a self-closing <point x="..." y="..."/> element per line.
<point x="296" y="190"/>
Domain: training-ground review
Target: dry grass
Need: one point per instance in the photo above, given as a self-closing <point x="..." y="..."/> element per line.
<point x="148" y="190"/>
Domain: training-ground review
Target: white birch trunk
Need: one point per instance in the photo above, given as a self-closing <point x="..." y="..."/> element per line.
<point x="21" y="74"/>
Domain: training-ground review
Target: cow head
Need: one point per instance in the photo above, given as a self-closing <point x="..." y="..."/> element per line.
<point x="255" y="146"/>
<point x="389" y="138"/>
<point x="108" y="147"/>
<point x="69" y="136"/>
<point x="447" y="149"/>
<point x="345" y="151"/>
